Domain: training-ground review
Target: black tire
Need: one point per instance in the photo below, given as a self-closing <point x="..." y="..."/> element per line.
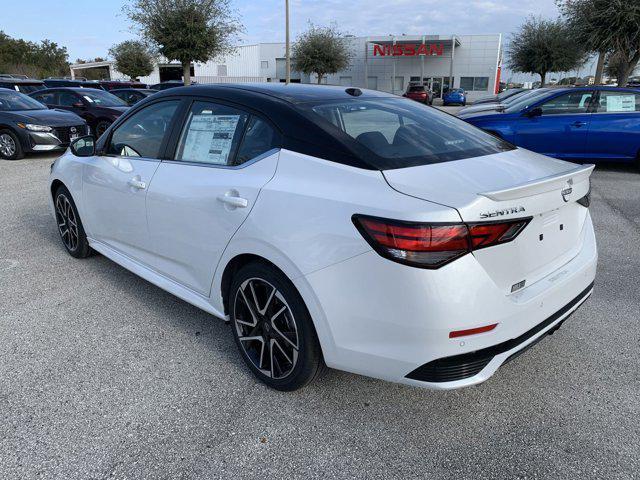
<point x="10" y="147"/>
<point x="280" y="318"/>
<point x="69" y="224"/>
<point x="101" y="127"/>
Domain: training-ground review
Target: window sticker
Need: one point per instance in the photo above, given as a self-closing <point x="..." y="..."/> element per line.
<point x="621" y="103"/>
<point x="209" y="138"/>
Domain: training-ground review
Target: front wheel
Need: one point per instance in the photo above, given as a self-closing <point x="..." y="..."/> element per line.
<point x="101" y="127"/>
<point x="69" y="224"/>
<point x="273" y="329"/>
<point x="10" y="148"/>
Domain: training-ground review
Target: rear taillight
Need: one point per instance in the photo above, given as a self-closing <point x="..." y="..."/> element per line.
<point x="432" y="245"/>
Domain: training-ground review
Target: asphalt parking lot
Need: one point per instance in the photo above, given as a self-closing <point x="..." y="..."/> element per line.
<point x="103" y="375"/>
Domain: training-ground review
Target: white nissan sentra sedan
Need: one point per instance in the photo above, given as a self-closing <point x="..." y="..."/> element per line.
<point x="340" y="227"/>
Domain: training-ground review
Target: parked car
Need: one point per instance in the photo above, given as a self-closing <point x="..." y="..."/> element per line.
<point x="487" y="107"/>
<point x="133" y="95"/>
<point x="21" y="85"/>
<point x="336" y="226"/>
<point x="170" y="84"/>
<point x="500" y="97"/>
<point x="109" y="85"/>
<point x="456" y="96"/>
<point x="419" y="93"/>
<point x="594" y="124"/>
<point x="67" y="82"/>
<point x="27" y="126"/>
<point x="97" y="107"/>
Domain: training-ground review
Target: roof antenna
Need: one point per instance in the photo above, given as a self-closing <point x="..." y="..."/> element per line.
<point x="354" y="92"/>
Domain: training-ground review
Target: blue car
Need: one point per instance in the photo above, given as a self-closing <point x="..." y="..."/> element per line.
<point x="590" y="124"/>
<point x="457" y="96"/>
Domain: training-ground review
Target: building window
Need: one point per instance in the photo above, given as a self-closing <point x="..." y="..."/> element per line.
<point x="264" y="64"/>
<point x="372" y="83"/>
<point x="414" y="79"/>
<point x="478" y="84"/>
<point x="345" y="81"/>
<point x="222" y="70"/>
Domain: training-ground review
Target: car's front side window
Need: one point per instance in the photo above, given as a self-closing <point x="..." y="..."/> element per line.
<point x="67" y="99"/>
<point x="211" y="134"/>
<point x="142" y="134"/>
<point x="618" y="102"/>
<point x="574" y="102"/>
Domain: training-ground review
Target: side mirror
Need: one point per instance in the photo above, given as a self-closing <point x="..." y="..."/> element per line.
<point x="534" y="112"/>
<point x="83" y="146"/>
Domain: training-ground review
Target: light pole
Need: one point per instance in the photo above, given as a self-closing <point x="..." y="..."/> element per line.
<point x="288" y="46"/>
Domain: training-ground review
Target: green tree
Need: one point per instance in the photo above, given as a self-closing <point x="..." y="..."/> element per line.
<point x="132" y="58"/>
<point x="611" y="26"/>
<point x="320" y="50"/>
<point x="186" y="30"/>
<point x="542" y="46"/>
<point x="34" y="59"/>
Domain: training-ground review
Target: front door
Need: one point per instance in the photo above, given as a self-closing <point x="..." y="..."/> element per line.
<point x="115" y="182"/>
<point x="560" y="127"/>
<point x="198" y="200"/>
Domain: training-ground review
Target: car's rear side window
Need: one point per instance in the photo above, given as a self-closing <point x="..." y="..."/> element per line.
<point x="402" y="133"/>
<point x="618" y="102"/>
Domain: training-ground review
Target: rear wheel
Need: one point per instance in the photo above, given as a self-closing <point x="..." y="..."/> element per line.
<point x="273" y="329"/>
<point x="10" y="148"/>
<point x="69" y="224"/>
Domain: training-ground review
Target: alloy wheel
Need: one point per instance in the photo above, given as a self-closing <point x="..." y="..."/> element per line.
<point x="67" y="223"/>
<point x="7" y="145"/>
<point x="266" y="328"/>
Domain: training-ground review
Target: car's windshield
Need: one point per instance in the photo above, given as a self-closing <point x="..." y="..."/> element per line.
<point x="12" y="101"/>
<point x="524" y="100"/>
<point x="508" y="94"/>
<point x="103" y="99"/>
<point x="398" y="133"/>
<point x="457" y="90"/>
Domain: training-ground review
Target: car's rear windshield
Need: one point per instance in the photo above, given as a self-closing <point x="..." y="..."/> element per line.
<point x="399" y="133"/>
<point x="416" y="89"/>
<point x="14" y="101"/>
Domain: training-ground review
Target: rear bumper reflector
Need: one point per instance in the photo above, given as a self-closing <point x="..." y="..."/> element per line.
<point x="472" y="331"/>
<point x="466" y="365"/>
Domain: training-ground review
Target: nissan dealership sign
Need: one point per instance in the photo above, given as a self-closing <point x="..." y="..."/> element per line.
<point x="408" y="50"/>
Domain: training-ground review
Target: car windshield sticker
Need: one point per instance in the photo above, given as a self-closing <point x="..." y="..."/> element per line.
<point x="621" y="103"/>
<point x="209" y="138"/>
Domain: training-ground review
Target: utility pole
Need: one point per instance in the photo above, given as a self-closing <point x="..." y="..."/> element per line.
<point x="288" y="46"/>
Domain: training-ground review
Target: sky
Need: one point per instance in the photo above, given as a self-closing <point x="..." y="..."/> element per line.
<point x="88" y="29"/>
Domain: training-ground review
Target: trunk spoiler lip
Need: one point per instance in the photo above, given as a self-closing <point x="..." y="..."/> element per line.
<point x="541" y="185"/>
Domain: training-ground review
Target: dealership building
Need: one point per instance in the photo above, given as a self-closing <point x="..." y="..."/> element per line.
<point x="387" y="63"/>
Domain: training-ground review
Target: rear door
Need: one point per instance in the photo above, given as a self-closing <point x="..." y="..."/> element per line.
<point x="116" y="181"/>
<point x="201" y="196"/>
<point x="614" y="133"/>
<point x="561" y="129"/>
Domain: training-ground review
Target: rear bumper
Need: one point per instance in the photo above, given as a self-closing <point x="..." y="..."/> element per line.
<point x="392" y="322"/>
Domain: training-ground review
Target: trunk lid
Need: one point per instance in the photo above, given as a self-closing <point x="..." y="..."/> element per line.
<point x="507" y="186"/>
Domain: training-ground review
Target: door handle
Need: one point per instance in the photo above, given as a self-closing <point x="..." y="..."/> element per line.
<point x="233" y="200"/>
<point x="138" y="184"/>
<point x="578" y="124"/>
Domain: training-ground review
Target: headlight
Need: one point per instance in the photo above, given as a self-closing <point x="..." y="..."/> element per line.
<point x="35" y="128"/>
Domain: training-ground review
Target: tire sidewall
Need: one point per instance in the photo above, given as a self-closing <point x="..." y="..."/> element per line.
<point x="309" y="354"/>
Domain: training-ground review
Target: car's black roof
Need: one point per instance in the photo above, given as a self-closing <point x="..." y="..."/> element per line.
<point x="70" y="89"/>
<point x="21" y="81"/>
<point x="293" y="93"/>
